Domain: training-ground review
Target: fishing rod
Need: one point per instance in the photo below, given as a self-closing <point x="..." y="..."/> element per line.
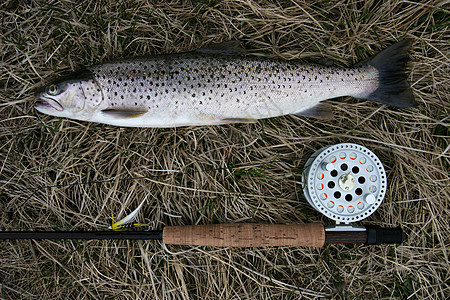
<point x="232" y="235"/>
<point x="345" y="182"/>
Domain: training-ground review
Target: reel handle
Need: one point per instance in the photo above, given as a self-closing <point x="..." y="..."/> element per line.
<point x="246" y="235"/>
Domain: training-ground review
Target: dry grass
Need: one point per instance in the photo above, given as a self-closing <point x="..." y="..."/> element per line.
<point x="39" y="40"/>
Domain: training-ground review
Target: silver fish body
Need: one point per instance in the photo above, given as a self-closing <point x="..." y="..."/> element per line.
<point x="205" y="89"/>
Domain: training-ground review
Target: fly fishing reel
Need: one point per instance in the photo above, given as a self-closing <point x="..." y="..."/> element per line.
<point x="345" y="182"/>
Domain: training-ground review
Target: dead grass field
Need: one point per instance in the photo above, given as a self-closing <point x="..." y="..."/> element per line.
<point x="218" y="174"/>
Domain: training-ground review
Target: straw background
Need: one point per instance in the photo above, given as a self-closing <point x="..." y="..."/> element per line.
<point x="189" y="175"/>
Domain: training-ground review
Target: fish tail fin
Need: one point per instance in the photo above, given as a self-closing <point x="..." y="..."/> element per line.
<point x="393" y="88"/>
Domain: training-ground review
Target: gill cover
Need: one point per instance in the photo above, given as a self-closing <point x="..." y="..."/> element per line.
<point x="74" y="96"/>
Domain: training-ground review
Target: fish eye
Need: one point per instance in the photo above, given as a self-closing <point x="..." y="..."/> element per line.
<point x="53" y="89"/>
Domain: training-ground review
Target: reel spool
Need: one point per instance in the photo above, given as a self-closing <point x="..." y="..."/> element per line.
<point x="345" y="182"/>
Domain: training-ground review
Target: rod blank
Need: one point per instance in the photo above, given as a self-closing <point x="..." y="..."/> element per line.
<point x="82" y="235"/>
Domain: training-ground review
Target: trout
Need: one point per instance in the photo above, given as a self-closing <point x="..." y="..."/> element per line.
<point x="216" y="86"/>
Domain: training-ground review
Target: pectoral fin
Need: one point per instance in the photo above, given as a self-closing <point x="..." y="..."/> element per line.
<point x="321" y="111"/>
<point x="123" y="113"/>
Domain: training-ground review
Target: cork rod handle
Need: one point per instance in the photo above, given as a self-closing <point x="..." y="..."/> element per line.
<point x="246" y="235"/>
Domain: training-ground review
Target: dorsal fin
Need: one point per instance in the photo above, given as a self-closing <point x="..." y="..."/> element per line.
<point x="232" y="47"/>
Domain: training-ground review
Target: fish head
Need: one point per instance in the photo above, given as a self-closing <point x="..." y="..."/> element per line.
<point x="75" y="96"/>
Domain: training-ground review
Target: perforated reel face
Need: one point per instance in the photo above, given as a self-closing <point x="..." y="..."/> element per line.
<point x="346" y="182"/>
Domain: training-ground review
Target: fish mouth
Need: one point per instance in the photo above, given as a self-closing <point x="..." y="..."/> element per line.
<point x="48" y="103"/>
